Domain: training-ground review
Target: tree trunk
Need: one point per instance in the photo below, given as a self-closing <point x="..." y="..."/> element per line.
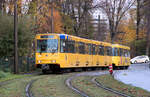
<point x="148" y="35"/>
<point x="147" y="15"/>
<point x="138" y="19"/>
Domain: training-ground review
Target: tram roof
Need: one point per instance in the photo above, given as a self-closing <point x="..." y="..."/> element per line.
<point x="121" y="46"/>
<point x="78" y="38"/>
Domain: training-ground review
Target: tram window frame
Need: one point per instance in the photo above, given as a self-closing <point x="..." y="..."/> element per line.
<point x="101" y="50"/>
<point x="93" y="49"/>
<point x="81" y="47"/>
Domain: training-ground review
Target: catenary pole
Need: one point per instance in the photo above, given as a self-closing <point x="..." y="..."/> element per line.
<point x="15" y="39"/>
<point x="52" y="17"/>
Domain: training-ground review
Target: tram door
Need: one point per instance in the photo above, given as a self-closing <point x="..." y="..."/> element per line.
<point x="71" y="52"/>
<point x="108" y="53"/>
<point x="80" y="56"/>
<point x="94" y="56"/>
<point x="121" y="57"/>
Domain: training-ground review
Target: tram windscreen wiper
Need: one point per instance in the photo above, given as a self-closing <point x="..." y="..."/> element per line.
<point x="53" y="50"/>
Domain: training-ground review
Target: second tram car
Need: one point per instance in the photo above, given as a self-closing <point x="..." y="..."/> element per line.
<point x="121" y="56"/>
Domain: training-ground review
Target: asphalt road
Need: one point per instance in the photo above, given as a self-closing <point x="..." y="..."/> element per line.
<point x="137" y="75"/>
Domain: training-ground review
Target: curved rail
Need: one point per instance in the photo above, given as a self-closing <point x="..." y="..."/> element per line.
<point x="109" y="89"/>
<point x="83" y="94"/>
<point x="28" y="88"/>
<point x="68" y="83"/>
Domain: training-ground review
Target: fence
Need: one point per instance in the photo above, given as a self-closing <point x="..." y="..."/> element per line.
<point x="25" y="64"/>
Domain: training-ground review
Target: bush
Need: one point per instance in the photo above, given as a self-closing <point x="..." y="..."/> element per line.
<point x="25" y="35"/>
<point x="4" y="74"/>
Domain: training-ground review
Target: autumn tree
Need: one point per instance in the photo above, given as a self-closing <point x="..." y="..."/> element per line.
<point x="41" y="12"/>
<point x="115" y="11"/>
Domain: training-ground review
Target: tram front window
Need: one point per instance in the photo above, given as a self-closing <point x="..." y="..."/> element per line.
<point x="47" y="46"/>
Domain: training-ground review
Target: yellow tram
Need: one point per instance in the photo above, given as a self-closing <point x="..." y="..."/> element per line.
<point x="60" y="51"/>
<point x="121" y="56"/>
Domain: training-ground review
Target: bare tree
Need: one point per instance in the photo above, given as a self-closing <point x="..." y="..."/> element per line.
<point x="80" y="12"/>
<point x="115" y="10"/>
<point x="139" y="16"/>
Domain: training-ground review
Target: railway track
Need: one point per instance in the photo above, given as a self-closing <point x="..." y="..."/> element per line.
<point x="28" y="88"/>
<point x="69" y="84"/>
<point x="83" y="94"/>
<point x="108" y="89"/>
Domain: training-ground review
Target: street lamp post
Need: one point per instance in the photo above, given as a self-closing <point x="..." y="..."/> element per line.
<point x="15" y="39"/>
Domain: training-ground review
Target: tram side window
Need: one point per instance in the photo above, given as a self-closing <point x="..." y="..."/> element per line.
<point x="86" y="49"/>
<point x="118" y="51"/>
<point x="115" y="51"/>
<point x="70" y="46"/>
<point x="108" y="51"/>
<point x="93" y="49"/>
<point x="128" y="53"/>
<point x="62" y="46"/>
<point x="67" y="46"/>
<point x="90" y="49"/>
<point x="101" y="50"/>
<point x="124" y="53"/>
<point x="81" y="48"/>
<point x="121" y="52"/>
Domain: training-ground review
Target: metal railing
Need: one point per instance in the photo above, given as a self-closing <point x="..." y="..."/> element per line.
<point x="26" y="64"/>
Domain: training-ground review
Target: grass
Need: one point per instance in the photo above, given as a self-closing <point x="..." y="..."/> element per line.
<point x="15" y="88"/>
<point x="84" y="84"/>
<point x="12" y="85"/>
<point x="109" y="81"/>
<point x="5" y="76"/>
<point x="53" y="86"/>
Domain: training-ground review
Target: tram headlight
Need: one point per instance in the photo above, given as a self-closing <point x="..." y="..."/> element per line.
<point x="53" y="61"/>
<point x="39" y="61"/>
